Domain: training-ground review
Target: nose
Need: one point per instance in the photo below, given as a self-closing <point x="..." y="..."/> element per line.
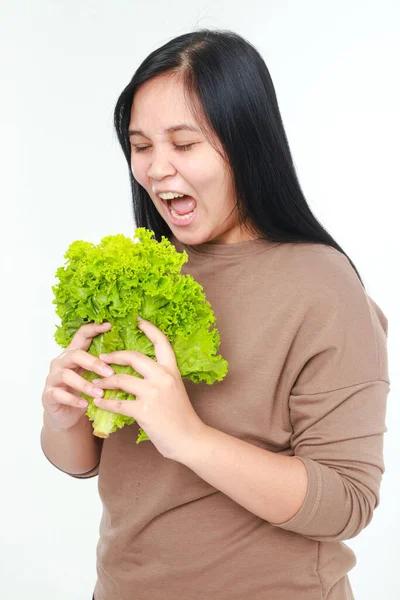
<point x="161" y="165"/>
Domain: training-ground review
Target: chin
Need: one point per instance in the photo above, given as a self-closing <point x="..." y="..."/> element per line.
<point x="192" y="238"/>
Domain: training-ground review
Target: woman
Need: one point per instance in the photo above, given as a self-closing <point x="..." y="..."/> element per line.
<point x="249" y="486"/>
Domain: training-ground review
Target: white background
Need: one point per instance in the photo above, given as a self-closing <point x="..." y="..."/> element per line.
<point x="335" y="66"/>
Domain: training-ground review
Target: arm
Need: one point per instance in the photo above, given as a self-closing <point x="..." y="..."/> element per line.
<point x="75" y="451"/>
<point x="337" y="407"/>
<point x="326" y="492"/>
<point x="270" y="485"/>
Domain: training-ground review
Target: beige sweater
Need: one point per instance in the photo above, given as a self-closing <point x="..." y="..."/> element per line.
<point x="308" y="376"/>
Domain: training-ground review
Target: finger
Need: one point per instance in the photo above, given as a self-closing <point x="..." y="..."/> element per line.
<point x="81" y="358"/>
<point x="121" y="407"/>
<point x="74" y="381"/>
<point x="122" y="381"/>
<point x="163" y="350"/>
<point x="54" y="395"/>
<point x="83" y="337"/>
<point x="142" y="364"/>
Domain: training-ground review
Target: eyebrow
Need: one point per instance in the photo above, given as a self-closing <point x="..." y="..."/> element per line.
<point x="180" y="127"/>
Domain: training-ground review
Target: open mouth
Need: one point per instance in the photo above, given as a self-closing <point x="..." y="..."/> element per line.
<point x="177" y="218"/>
<point x="178" y="215"/>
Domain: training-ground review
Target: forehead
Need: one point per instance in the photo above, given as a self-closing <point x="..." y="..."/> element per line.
<point x="160" y="101"/>
<point x="160" y="105"/>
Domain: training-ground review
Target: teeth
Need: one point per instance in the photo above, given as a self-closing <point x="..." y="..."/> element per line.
<point x="170" y="195"/>
<point x="181" y="217"/>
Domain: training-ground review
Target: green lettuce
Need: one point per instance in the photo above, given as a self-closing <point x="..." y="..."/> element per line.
<point x="119" y="279"/>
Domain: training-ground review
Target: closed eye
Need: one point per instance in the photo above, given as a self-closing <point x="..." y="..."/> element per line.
<point x="179" y="148"/>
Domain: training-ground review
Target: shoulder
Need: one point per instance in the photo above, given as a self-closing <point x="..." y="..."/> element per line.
<point x="336" y="309"/>
<point x="312" y="279"/>
<point x="321" y="276"/>
<point x="321" y="264"/>
<point x="326" y="280"/>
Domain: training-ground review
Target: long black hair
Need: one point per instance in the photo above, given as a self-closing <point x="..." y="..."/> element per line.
<point x="229" y="88"/>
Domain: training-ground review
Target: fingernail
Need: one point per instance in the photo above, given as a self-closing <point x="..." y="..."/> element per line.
<point x="83" y="403"/>
<point x="139" y="318"/>
<point x="108" y="371"/>
<point x="95" y="381"/>
<point x="97" y="392"/>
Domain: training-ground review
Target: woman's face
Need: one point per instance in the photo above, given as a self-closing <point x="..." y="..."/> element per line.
<point x="182" y="161"/>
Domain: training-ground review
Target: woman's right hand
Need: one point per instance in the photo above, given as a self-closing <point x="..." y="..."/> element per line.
<point x="64" y="383"/>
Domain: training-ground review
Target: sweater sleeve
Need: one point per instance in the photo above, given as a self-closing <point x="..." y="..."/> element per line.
<point x="92" y="473"/>
<point x="338" y="409"/>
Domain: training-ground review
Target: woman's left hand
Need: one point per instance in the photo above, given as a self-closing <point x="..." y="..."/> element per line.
<point x="162" y="407"/>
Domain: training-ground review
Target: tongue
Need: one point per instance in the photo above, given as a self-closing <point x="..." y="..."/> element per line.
<point x="184" y="205"/>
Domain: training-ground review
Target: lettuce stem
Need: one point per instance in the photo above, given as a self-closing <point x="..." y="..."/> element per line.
<point x="104" y="422"/>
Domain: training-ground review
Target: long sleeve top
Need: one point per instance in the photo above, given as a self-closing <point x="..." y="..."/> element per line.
<point x="308" y="377"/>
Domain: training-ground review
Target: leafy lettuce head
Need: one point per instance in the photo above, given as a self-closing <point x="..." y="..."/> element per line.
<point x="119" y="279"/>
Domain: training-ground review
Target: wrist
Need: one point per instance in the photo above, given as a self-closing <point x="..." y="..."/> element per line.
<point x="197" y="447"/>
<point x="50" y="423"/>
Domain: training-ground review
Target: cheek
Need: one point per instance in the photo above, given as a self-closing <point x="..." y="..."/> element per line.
<point x="211" y="172"/>
<point x="216" y="183"/>
<point x="204" y="176"/>
<point x="139" y="170"/>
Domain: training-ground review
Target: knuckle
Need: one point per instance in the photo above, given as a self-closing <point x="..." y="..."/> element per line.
<point x="55" y="363"/>
<point x="98" y="365"/>
<point x="46" y="394"/>
<point x="88" y="389"/>
<point x="64" y="375"/>
<point x="75" y="353"/>
<point x="50" y="393"/>
<point x="56" y="394"/>
<point x="168" y="380"/>
<point x="49" y="380"/>
<point x="121" y="380"/>
<point x="115" y="379"/>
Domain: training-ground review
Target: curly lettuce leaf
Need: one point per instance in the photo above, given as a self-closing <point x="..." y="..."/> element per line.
<point x="121" y="278"/>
